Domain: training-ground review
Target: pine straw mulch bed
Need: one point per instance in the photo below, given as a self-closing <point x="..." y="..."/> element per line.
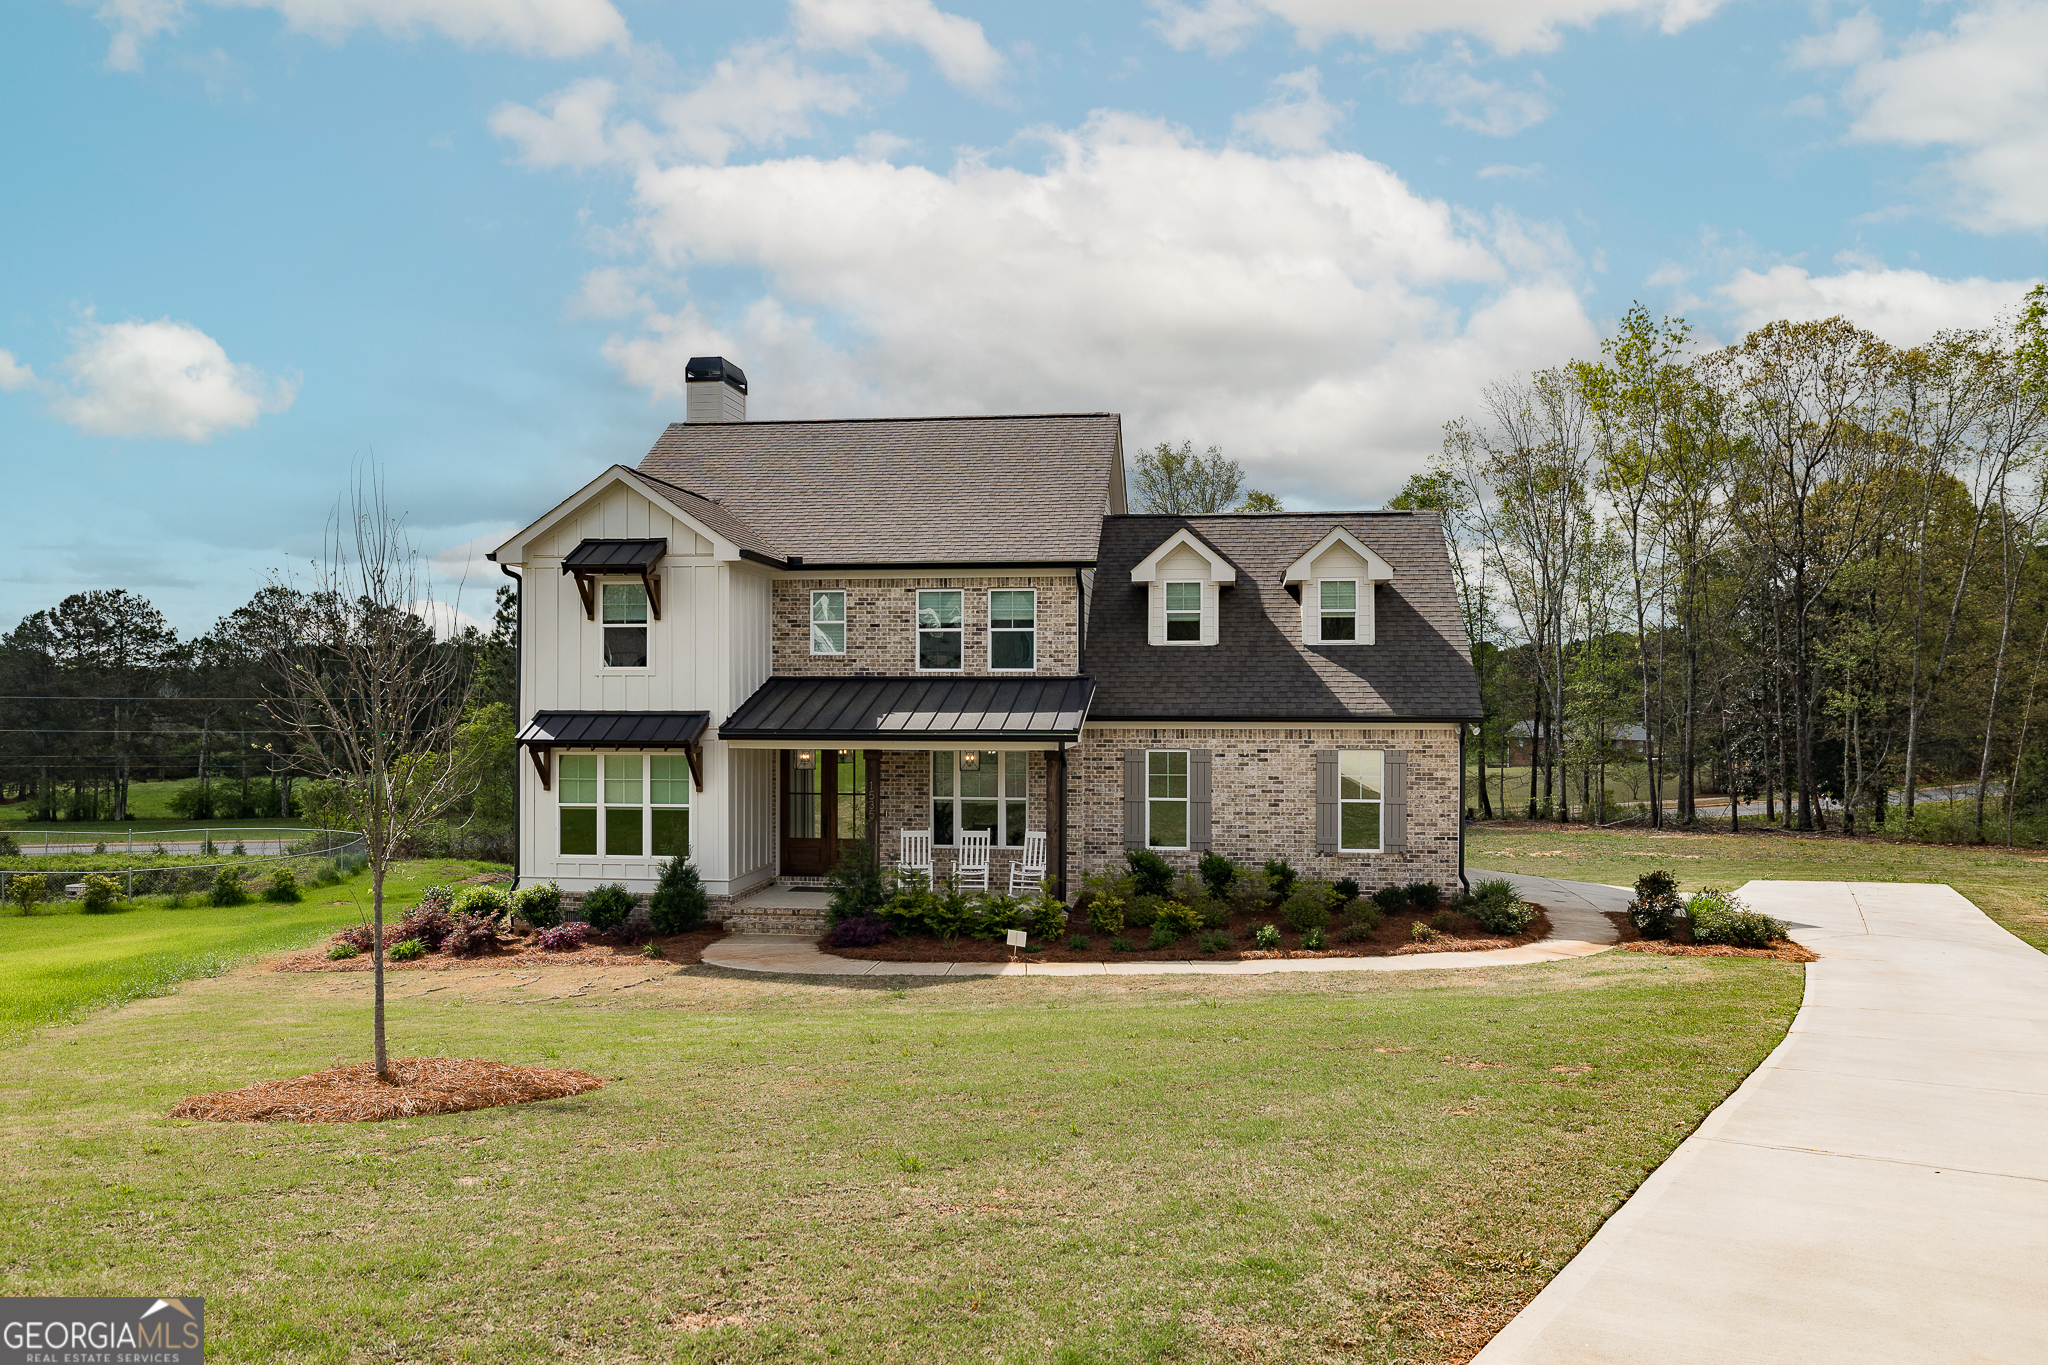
<point x="1394" y="938"/>
<point x="1680" y="943"/>
<point x="419" y="1085"/>
<point x="519" y="950"/>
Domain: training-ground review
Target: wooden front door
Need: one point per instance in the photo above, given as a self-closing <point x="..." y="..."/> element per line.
<point x="824" y="807"/>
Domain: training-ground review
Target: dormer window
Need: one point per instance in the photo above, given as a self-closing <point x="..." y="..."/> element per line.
<point x="1339" y="601"/>
<point x="1184" y="612"/>
<point x="625" y="625"/>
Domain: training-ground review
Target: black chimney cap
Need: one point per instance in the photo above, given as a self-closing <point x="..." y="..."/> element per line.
<point x="711" y="369"/>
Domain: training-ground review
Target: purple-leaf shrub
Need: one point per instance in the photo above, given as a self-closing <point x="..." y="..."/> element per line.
<point x="429" y="924"/>
<point x="563" y="937"/>
<point x="860" y="931"/>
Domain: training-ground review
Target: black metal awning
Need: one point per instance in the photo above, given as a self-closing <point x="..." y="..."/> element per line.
<point x="935" y="710"/>
<point x="552" y="730"/>
<point x="592" y="559"/>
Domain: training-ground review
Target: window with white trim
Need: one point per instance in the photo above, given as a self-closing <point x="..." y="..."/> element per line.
<point x="1361" y="787"/>
<point x="1166" y="798"/>
<point x="1012" y="629"/>
<point x="1339" y="610"/>
<point x="625" y="625"/>
<point x="980" y="789"/>
<point x="828" y="622"/>
<point x="1184" y="611"/>
<point x="938" y="631"/>
<point x="638" y="807"/>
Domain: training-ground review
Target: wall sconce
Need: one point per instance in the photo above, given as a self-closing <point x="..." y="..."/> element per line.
<point x="970" y="762"/>
<point x="806" y="760"/>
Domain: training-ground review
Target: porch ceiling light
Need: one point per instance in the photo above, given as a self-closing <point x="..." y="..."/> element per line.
<point x="970" y="761"/>
<point x="806" y="760"/>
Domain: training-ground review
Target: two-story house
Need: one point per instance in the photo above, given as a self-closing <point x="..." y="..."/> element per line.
<point x="772" y="640"/>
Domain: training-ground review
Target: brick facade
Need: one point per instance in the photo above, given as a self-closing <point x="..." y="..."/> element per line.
<point x="881" y="624"/>
<point x="1263" y="798"/>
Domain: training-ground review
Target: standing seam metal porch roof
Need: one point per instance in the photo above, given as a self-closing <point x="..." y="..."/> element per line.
<point x="938" y="709"/>
<point x="614" y="729"/>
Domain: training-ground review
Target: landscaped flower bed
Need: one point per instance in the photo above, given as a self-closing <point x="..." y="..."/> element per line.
<point x="1709" y="923"/>
<point x="1149" y="913"/>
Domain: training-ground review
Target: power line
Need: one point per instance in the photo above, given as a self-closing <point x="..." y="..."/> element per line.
<point x="12" y="697"/>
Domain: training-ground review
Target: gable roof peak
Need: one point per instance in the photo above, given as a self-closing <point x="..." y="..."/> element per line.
<point x="1221" y="570"/>
<point x="1377" y="570"/>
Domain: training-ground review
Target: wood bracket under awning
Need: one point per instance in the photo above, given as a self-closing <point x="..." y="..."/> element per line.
<point x="595" y="559"/>
<point x="641" y="730"/>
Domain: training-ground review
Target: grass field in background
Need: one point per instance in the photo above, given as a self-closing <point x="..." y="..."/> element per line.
<point x="149" y="807"/>
<point x="2012" y="887"/>
<point x="60" y="963"/>
<point x="1360" y="1167"/>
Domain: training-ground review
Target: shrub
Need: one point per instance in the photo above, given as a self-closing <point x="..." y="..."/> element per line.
<point x="1280" y="874"/>
<point x="337" y="951"/>
<point x="283" y="888"/>
<point x="428" y="924"/>
<point x="438" y="898"/>
<point x="481" y="902"/>
<point x="1250" y="888"/>
<point x="1352" y="933"/>
<point x="1162" y="937"/>
<point x="1213" y="943"/>
<point x="1267" y="936"/>
<point x="1047" y="915"/>
<point x="650" y="949"/>
<point x="1719" y="917"/>
<point x="1498" y="909"/>
<point x="1365" y="915"/>
<point x="1313" y="940"/>
<point x="1425" y="895"/>
<point x="1422" y="933"/>
<point x="539" y="904"/>
<point x="1309" y="907"/>
<point x="360" y="937"/>
<point x="1077" y="943"/>
<point x="1391" y="900"/>
<point x="1444" y="921"/>
<point x="1655" y="903"/>
<point x="562" y="938"/>
<point x="1346" y="888"/>
<point x="406" y="949"/>
<point x="1217" y="872"/>
<point x="1143" y="911"/>
<point x="1180" y="920"/>
<point x="1154" y="874"/>
<point x="101" y="847"/>
<point x="1215" y="913"/>
<point x="863" y="930"/>
<point x="606" y="907"/>
<point x="471" y="934"/>
<point x="227" y="888"/>
<point x="679" y="903"/>
<point x="857" y="884"/>
<point x="101" y="893"/>
<point x="8" y="848"/>
<point x="1122" y="945"/>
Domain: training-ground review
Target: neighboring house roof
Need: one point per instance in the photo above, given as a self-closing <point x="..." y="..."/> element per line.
<point x="1419" y="669"/>
<point x="825" y="710"/>
<point x="926" y="490"/>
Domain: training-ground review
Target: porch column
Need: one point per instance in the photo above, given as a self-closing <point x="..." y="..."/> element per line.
<point x="1056" y="827"/>
<point x="874" y="830"/>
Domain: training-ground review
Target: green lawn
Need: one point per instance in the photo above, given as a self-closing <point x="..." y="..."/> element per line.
<point x="1354" y="1167"/>
<point x="149" y="808"/>
<point x="60" y="963"/>
<point x="2012" y="888"/>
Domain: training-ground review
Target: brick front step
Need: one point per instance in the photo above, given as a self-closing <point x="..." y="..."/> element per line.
<point x="793" y="922"/>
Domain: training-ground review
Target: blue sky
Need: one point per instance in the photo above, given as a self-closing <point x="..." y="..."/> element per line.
<point x="250" y="244"/>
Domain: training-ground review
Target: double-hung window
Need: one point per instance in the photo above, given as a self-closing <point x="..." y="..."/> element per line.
<point x="828" y="623"/>
<point x="625" y="625"/>
<point x="635" y="805"/>
<point x="979" y="789"/>
<point x="1361" y="783"/>
<point x="1166" y="798"/>
<point x="1013" y="628"/>
<point x="1184" y="611"/>
<point x="938" y="630"/>
<point x="1339" y="604"/>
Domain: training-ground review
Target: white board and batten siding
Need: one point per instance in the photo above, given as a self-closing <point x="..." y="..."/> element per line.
<point x="708" y="652"/>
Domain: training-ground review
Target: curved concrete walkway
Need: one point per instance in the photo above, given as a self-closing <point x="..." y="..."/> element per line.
<point x="1578" y="928"/>
<point x="1876" y="1191"/>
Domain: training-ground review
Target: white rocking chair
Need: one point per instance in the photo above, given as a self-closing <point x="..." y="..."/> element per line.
<point x="917" y="853"/>
<point x="971" y="871"/>
<point x="1028" y="872"/>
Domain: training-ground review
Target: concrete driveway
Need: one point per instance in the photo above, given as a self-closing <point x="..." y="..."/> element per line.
<point x="1877" y="1191"/>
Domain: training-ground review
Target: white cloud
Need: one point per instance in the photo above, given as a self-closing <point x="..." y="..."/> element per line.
<point x="1291" y="308"/>
<point x="1506" y="26"/>
<point x="1503" y="172"/>
<point x="547" y="28"/>
<point x="1979" y="87"/>
<point x="1905" y="307"/>
<point x="447" y="620"/>
<point x="956" y="45"/>
<point x="165" y="379"/>
<point x="14" y="375"/>
<point x="1489" y="107"/>
<point x="1297" y="118"/>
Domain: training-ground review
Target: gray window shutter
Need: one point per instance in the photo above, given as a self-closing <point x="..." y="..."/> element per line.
<point x="1134" y="798"/>
<point x="1198" y="800"/>
<point x="1326" y="801"/>
<point x="1394" y="818"/>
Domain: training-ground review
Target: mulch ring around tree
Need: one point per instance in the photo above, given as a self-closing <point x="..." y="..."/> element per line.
<point x="1680" y="943"/>
<point x="1394" y="938"/>
<point x="519" y="950"/>
<point x="419" y="1085"/>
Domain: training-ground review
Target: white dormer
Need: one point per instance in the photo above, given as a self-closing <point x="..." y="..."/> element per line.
<point x="1337" y="578"/>
<point x="1182" y="578"/>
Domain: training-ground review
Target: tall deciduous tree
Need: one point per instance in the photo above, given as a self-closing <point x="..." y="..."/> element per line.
<point x="1181" y="483"/>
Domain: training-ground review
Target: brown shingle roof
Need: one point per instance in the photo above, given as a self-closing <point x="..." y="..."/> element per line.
<point x="933" y="490"/>
<point x="1419" y="668"/>
<point x="713" y="516"/>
